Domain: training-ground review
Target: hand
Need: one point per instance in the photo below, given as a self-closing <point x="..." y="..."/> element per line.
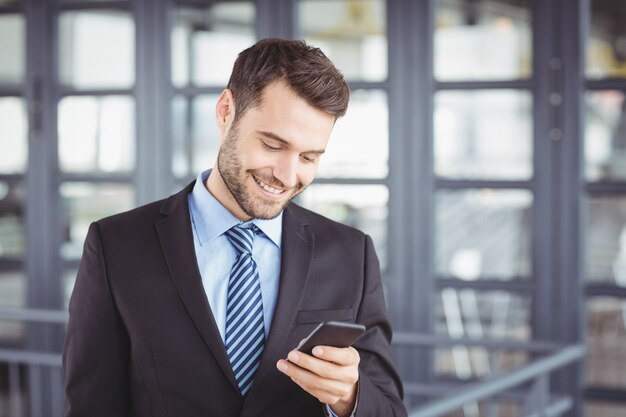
<point x="331" y="375"/>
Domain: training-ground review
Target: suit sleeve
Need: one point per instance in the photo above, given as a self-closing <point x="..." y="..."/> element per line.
<point x="96" y="352"/>
<point x="380" y="388"/>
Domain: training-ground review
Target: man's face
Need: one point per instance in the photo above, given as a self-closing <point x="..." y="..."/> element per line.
<point x="273" y="152"/>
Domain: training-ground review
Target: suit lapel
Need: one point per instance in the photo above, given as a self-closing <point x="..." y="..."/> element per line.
<point x="296" y="255"/>
<point x="176" y="239"/>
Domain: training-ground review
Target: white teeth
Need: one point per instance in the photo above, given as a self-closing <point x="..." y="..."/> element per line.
<point x="268" y="188"/>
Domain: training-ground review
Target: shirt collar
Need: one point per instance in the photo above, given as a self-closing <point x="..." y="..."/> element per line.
<point x="211" y="219"/>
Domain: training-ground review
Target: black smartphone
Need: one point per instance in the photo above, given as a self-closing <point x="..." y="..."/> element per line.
<point x="332" y="333"/>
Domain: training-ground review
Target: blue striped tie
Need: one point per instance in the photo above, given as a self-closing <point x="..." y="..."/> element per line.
<point x="245" y="334"/>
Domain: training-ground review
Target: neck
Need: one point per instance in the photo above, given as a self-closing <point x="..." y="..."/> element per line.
<point x="217" y="187"/>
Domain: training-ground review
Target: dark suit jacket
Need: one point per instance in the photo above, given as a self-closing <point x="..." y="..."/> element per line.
<point x="142" y="340"/>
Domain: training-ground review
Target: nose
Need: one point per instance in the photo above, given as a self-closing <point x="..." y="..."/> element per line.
<point x="286" y="170"/>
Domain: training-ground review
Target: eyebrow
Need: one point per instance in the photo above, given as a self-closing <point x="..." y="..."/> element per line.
<point x="277" y="138"/>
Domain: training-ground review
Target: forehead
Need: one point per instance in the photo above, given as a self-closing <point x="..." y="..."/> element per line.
<point x="289" y="116"/>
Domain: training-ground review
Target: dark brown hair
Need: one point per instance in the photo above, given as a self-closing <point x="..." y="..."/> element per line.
<point x="305" y="69"/>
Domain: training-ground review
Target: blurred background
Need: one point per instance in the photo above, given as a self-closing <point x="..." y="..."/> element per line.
<point x="484" y="151"/>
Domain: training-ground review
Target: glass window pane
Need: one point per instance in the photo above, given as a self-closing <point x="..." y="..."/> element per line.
<point x="600" y="409"/>
<point x="67" y="281"/>
<point x="606" y="240"/>
<point x="12" y="48"/>
<point x="466" y="313"/>
<point x="12" y="214"/>
<point x="12" y="294"/>
<point x="359" y="143"/>
<point x="606" y="45"/>
<point x="483" y="134"/>
<point x="475" y="314"/>
<point x="353" y="34"/>
<point x="606" y="339"/>
<point x="196" y="139"/>
<point x="97" y="49"/>
<point x="97" y="134"/>
<point x="482" y="40"/>
<point x="13" y="134"/>
<point x="483" y="234"/>
<point x="605" y="136"/>
<point x="206" y="41"/>
<point x="181" y="140"/>
<point x="84" y="203"/>
<point x="360" y="206"/>
<point x="470" y="362"/>
<point x="12" y="289"/>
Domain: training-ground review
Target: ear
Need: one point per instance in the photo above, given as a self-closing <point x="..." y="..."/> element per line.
<point x="225" y="111"/>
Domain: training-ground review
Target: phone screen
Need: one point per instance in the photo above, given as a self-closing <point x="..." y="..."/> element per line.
<point x="332" y="333"/>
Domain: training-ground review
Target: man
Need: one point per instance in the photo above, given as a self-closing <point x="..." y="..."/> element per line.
<point x="194" y="305"/>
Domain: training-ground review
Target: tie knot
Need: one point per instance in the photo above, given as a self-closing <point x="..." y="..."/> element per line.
<point x="242" y="237"/>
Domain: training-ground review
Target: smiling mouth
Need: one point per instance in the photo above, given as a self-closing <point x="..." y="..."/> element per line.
<point x="271" y="190"/>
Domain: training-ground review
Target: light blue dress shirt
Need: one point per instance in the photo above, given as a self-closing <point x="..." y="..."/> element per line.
<point x="216" y="255"/>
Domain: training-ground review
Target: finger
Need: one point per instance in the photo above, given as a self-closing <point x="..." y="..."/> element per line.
<point x="314" y="384"/>
<point x="306" y="378"/>
<point x="322" y="395"/>
<point x="341" y="356"/>
<point x="325" y="369"/>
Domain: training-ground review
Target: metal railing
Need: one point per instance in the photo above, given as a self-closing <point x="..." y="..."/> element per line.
<point x="40" y="365"/>
<point x="536" y="401"/>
